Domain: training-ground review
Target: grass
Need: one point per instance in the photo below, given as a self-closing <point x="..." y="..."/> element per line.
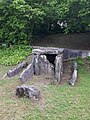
<point x="61" y="102"/>
<point x="14" y="55"/>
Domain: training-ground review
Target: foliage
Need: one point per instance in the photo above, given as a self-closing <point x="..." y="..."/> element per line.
<point x="17" y="19"/>
<point x="88" y="59"/>
<point x="80" y="61"/>
<point x="22" y="19"/>
<point x="14" y="55"/>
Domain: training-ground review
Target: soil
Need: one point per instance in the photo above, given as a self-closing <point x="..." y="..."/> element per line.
<point x="72" y="41"/>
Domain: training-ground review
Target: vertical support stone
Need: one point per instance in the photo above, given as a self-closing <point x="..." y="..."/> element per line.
<point x="36" y="65"/>
<point x="73" y="74"/>
<point x="50" y="70"/>
<point x="45" y="67"/>
<point x="43" y="64"/>
<point x="58" y="68"/>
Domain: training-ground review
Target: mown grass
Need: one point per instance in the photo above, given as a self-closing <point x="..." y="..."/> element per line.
<point x="61" y="102"/>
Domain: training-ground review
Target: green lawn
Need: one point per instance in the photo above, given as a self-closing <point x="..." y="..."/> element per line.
<point x="61" y="102"/>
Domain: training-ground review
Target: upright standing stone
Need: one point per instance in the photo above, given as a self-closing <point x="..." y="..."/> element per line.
<point x="73" y="74"/>
<point x="36" y="65"/>
<point x="58" y="68"/>
<point x="45" y="66"/>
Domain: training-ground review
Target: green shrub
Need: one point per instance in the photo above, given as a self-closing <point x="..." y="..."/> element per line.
<point x="80" y="61"/>
<point x="14" y="55"/>
<point x="22" y="19"/>
<point x="88" y="59"/>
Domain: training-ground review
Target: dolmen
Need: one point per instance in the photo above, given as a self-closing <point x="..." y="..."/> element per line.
<point x="47" y="61"/>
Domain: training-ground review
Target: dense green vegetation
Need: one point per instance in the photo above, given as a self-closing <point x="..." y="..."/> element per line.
<point x="14" y="55"/>
<point x="22" y="19"/>
<point x="61" y="102"/>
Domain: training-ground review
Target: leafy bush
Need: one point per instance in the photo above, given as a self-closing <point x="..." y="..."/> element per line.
<point x="88" y="58"/>
<point x="80" y="61"/>
<point x="22" y="19"/>
<point x="14" y="55"/>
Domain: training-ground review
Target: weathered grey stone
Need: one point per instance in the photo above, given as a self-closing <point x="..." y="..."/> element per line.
<point x="67" y="53"/>
<point x="73" y="74"/>
<point x="47" y="50"/>
<point x="28" y="91"/>
<point x="45" y="66"/>
<point x="58" y="68"/>
<point x="71" y="54"/>
<point x="27" y="74"/>
<point x="17" y="69"/>
<point x="37" y="51"/>
<point x="36" y="65"/>
<point x="50" y="70"/>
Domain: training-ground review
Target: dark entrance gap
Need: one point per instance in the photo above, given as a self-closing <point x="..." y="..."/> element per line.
<point x="51" y="58"/>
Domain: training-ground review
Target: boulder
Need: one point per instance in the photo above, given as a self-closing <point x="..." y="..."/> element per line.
<point x="28" y="91"/>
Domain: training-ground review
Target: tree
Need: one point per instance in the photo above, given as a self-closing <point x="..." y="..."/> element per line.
<point x="22" y="19"/>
